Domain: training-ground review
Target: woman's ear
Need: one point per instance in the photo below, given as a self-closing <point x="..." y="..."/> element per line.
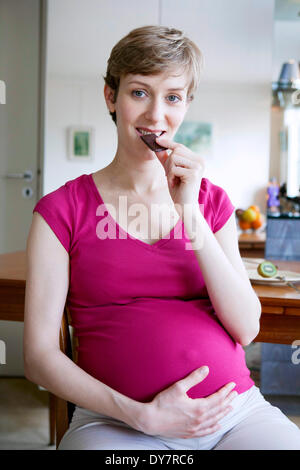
<point x="109" y="95"/>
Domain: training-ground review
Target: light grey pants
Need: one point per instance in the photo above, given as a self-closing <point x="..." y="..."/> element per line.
<point x="252" y="424"/>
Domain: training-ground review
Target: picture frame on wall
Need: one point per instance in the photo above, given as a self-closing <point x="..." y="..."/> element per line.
<point x="81" y="143"/>
<point x="198" y="136"/>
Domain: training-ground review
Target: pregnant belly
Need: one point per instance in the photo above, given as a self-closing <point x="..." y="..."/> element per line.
<point x="143" y="347"/>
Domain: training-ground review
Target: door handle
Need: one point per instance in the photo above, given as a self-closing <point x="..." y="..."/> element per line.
<point x="27" y="175"/>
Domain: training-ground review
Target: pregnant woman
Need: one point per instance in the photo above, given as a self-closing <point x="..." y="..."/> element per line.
<point x="144" y="251"/>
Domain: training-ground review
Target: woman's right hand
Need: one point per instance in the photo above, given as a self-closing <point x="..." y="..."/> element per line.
<point x="172" y="413"/>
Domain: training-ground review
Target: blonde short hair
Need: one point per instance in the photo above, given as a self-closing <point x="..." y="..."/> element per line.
<point x="151" y="50"/>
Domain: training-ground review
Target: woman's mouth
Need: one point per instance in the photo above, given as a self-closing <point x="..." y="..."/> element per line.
<point x="142" y="131"/>
<point x="150" y="140"/>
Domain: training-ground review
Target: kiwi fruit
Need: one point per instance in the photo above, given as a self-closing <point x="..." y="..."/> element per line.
<point x="267" y="269"/>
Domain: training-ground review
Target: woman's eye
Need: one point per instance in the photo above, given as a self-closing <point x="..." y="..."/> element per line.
<point x="173" y="98"/>
<point x="138" y="93"/>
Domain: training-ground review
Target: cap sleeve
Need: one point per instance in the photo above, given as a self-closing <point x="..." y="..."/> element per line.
<point x="56" y="209"/>
<point x="222" y="207"/>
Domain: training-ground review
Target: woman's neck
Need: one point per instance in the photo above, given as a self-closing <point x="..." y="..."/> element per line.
<point x="147" y="177"/>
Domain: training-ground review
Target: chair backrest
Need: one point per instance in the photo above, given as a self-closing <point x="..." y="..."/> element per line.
<point x="63" y="409"/>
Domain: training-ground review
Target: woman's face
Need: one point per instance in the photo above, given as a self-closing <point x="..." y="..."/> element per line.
<point x="156" y="103"/>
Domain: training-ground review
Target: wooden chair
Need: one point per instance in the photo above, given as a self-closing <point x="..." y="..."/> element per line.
<point x="61" y="411"/>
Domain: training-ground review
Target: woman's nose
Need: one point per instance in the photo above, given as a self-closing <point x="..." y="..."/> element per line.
<point x="155" y="111"/>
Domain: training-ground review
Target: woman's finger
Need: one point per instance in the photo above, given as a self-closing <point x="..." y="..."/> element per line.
<point x="175" y="146"/>
<point x="203" y="432"/>
<point x="179" y="160"/>
<point x="218" y="397"/>
<point x="183" y="172"/>
<point x="220" y="407"/>
<point x="162" y="156"/>
<point x="167" y="142"/>
<point x="211" y="422"/>
<point x="215" y="413"/>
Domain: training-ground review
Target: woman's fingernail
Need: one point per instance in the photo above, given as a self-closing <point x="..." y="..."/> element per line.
<point x="230" y="386"/>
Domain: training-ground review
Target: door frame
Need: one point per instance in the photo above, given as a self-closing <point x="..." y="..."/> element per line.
<point x="42" y="96"/>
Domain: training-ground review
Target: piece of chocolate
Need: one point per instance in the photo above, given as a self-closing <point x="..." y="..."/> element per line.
<point x="149" y="140"/>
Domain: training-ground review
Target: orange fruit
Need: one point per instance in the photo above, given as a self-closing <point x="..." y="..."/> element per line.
<point x="255" y="208"/>
<point x="244" y="225"/>
<point x="257" y="223"/>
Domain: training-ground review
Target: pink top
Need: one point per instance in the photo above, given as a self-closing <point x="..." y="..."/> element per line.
<point x="141" y="312"/>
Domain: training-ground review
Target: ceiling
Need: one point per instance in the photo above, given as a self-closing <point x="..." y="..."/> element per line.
<point x="81" y="34"/>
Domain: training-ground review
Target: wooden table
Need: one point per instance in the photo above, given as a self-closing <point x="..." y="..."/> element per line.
<point x="280" y="320"/>
<point x="252" y="245"/>
<point x="12" y="286"/>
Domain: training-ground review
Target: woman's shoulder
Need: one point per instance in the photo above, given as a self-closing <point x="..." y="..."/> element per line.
<point x="207" y="189"/>
<point x="66" y="200"/>
<point x="74" y="184"/>
<point x="66" y="191"/>
<point x="208" y="185"/>
<point x="61" y="207"/>
<point x="210" y="190"/>
<point x="215" y="204"/>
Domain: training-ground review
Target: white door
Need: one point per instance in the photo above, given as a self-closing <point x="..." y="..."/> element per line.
<point x="21" y="124"/>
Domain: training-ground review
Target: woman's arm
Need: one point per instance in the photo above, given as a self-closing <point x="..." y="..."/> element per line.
<point x="47" y="282"/>
<point x="233" y="298"/>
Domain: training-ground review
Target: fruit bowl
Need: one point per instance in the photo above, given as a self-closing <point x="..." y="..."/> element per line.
<point x="251" y="219"/>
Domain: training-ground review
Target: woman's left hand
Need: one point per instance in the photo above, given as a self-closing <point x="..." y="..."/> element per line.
<point x="184" y="171"/>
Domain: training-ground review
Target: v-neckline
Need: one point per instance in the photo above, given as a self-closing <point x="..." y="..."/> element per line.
<point x="152" y="246"/>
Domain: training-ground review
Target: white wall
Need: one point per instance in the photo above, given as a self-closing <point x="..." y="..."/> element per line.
<point x="286" y="44"/>
<point x="240" y="118"/>
<point x="75" y="102"/>
<point x="235" y="93"/>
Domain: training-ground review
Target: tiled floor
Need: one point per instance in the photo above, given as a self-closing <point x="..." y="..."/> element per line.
<point x="24" y="415"/>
